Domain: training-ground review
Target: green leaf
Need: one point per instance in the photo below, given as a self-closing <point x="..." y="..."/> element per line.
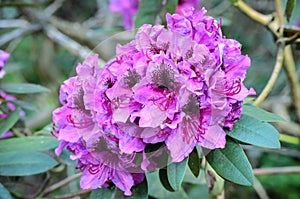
<point x="260" y="114"/>
<point x="175" y="172"/>
<point x="163" y="177"/>
<point x="156" y="190"/>
<point x="4" y="194"/>
<point x="290" y="4"/>
<point x="23" y="104"/>
<point x="253" y="131"/>
<point x="169" y="7"/>
<point x="102" y="193"/>
<point x="234" y="1"/>
<point x="190" y="178"/>
<point x="23" y="163"/>
<point x="33" y="143"/>
<point x="194" y="162"/>
<point x="139" y="191"/>
<point x="9" y="121"/>
<point x="231" y="163"/>
<point x="23" y="88"/>
<point x="147" y="12"/>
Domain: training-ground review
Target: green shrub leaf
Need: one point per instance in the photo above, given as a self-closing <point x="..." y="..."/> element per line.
<point x="194" y="162"/>
<point x="23" y="163"/>
<point x="231" y="163"/>
<point x="175" y="172"/>
<point x="253" y="131"/>
<point x="147" y="12"/>
<point x="139" y="191"/>
<point x="23" y="88"/>
<point x="4" y="193"/>
<point x="261" y="114"/>
<point x="290" y="4"/>
<point x="102" y="193"/>
<point x="33" y="143"/>
<point x="163" y="177"/>
<point x="9" y="121"/>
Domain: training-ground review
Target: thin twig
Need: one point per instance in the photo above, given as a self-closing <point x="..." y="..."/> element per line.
<point x="261" y="192"/>
<point x="290" y="68"/>
<point x="61" y="183"/>
<point x="276" y="170"/>
<point x="253" y="14"/>
<point x="71" y="195"/>
<point x="274" y="76"/>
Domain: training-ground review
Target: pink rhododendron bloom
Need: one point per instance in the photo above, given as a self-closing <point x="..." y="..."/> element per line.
<point x="128" y="9"/>
<point x="178" y="87"/>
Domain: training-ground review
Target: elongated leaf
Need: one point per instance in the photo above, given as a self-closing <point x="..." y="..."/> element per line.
<point x="34" y="143"/>
<point x="139" y="191"/>
<point x="23" y="88"/>
<point x="163" y="177"/>
<point x="147" y="12"/>
<point x="156" y="190"/>
<point x="4" y="193"/>
<point x="290" y="4"/>
<point x="231" y="163"/>
<point x="175" y="172"/>
<point x="261" y="114"/>
<point x="194" y="162"/>
<point x="23" y="163"/>
<point x="9" y="121"/>
<point x="252" y="131"/>
<point x="214" y="181"/>
<point x="102" y="193"/>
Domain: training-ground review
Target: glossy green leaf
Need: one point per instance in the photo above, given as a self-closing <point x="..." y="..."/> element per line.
<point x="194" y="162"/>
<point x="163" y="177"/>
<point x="23" y="163"/>
<point x="4" y="194"/>
<point x="253" y="131"/>
<point x="290" y="5"/>
<point x="23" y="88"/>
<point x="261" y="114"/>
<point x="147" y="12"/>
<point x="9" y="121"/>
<point x="156" y="190"/>
<point x="102" y="193"/>
<point x="175" y="172"/>
<point x="139" y="191"/>
<point x="33" y="143"/>
<point x="190" y="178"/>
<point x="231" y="163"/>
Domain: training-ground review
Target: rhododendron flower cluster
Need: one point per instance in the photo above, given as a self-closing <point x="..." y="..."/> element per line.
<point x="128" y="9"/>
<point x="179" y="87"/>
<point x="8" y="107"/>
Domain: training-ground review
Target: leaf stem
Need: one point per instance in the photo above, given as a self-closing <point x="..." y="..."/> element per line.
<point x="276" y="170"/>
<point x="61" y="183"/>
<point x="274" y="76"/>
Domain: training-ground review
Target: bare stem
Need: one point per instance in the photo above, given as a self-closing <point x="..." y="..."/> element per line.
<point x="290" y="69"/>
<point x="276" y="170"/>
<point x="261" y="192"/>
<point x="253" y="14"/>
<point x="61" y="183"/>
<point x="274" y="76"/>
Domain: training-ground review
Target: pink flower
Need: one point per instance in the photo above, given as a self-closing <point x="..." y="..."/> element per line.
<point x="177" y="87"/>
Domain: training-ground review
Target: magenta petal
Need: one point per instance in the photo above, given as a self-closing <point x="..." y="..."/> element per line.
<point x="151" y="116"/>
<point x="214" y="137"/>
<point x="178" y="146"/>
<point x="123" y="181"/>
